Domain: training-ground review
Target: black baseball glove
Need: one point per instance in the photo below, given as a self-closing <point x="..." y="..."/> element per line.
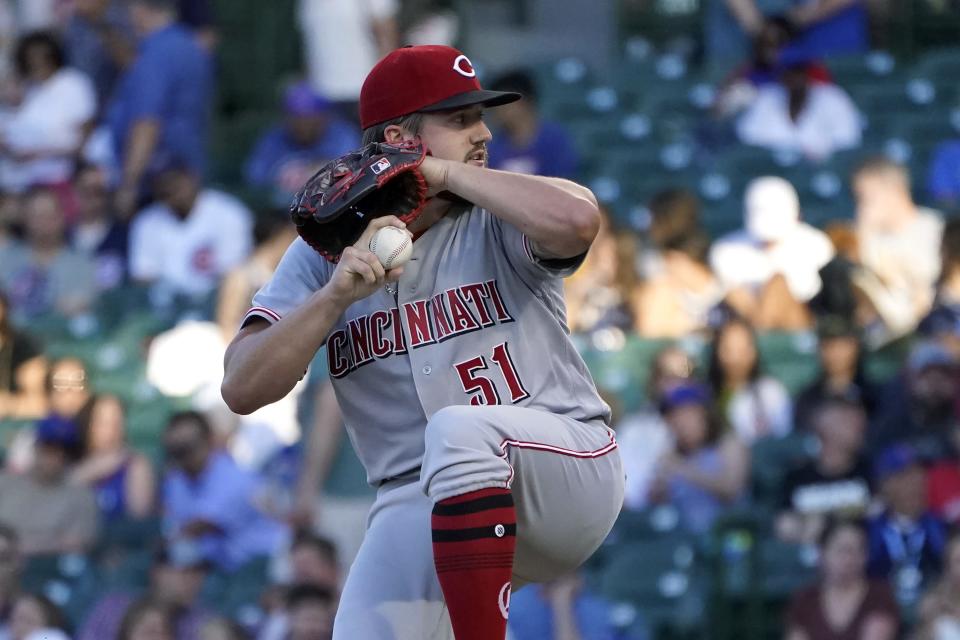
<point x="336" y="204"/>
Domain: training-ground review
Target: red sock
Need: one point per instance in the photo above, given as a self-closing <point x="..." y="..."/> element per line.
<point x="473" y="539"/>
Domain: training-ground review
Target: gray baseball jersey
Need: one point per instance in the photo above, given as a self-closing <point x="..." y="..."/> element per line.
<point x="477" y="319"/>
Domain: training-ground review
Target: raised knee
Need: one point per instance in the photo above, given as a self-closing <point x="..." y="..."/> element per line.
<point x="451" y="424"/>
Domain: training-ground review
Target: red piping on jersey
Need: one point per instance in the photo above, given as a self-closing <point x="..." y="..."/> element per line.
<point x="539" y="446"/>
<point x="269" y="312"/>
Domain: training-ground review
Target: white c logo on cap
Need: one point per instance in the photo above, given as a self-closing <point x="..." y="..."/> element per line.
<point x="463" y="61"/>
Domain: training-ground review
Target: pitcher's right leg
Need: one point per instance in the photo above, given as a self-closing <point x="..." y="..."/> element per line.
<point x="392" y="591"/>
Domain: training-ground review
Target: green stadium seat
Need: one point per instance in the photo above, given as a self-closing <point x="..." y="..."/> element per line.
<point x="787" y="567"/>
<point x="770" y="460"/>
<point x="875" y="66"/>
<point x="658" y="579"/>
<point x="789" y="357"/>
<point x="940" y="64"/>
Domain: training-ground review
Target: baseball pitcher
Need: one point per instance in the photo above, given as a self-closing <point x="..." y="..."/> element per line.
<point x="461" y="392"/>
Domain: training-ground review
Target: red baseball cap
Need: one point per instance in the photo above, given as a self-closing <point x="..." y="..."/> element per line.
<point x="423" y="78"/>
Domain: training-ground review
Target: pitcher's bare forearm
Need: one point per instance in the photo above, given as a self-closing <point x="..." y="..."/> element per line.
<point x="264" y="362"/>
<point x="560" y="217"/>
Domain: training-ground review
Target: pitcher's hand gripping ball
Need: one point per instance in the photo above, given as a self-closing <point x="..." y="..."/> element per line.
<point x="337" y="202"/>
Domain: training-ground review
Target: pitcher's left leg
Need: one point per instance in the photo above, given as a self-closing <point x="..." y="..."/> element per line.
<point x="564" y="477"/>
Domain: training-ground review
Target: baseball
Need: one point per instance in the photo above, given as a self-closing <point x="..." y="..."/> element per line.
<point x="392" y="246"/>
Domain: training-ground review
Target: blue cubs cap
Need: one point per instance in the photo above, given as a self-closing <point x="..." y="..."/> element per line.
<point x="301" y="100"/>
<point x="59" y="431"/>
<point x="683" y="395"/>
<point x="893" y="460"/>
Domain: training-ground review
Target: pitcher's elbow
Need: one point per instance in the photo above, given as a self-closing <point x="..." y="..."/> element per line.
<point x="235" y="398"/>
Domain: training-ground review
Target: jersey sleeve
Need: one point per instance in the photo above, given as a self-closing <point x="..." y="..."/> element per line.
<point x="521" y="254"/>
<point x="301" y="272"/>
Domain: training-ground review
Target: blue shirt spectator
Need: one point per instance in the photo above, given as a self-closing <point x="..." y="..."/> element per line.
<point x="943" y="183"/>
<point x="533" y="612"/>
<point x="526" y="143"/>
<point x="97" y="37"/>
<point x="841" y="33"/>
<point x="169" y="86"/>
<point x="209" y="501"/>
<point x="287" y="155"/>
<point x="906" y="541"/>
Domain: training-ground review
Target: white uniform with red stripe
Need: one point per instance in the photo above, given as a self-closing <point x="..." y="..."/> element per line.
<point x="464" y="378"/>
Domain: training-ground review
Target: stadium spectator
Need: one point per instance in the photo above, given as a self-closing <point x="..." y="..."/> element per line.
<point x="122" y="479"/>
<point x="939" y="617"/>
<point x="770" y="268"/>
<point x="67" y="393"/>
<point x="797" y="115"/>
<point x="560" y="609"/>
<point x="68" y="387"/>
<point x="209" y="501"/>
<point x="429" y="22"/>
<point x="147" y="620"/>
<point x="98" y="233"/>
<point x="678" y="290"/>
<point x="23" y="370"/>
<point x="907" y="540"/>
<point x="841" y="359"/>
<point x="706" y="471"/>
<point x="822" y="28"/>
<point x="47" y="276"/>
<point x="943" y="322"/>
<point x="42" y="135"/>
<point x="313" y="561"/>
<point x="342" y="40"/>
<point x="834" y="483"/>
<point x="311" y="610"/>
<point x="10" y="568"/>
<point x="176" y="580"/>
<point x="272" y="234"/>
<point x="943" y="179"/>
<point x="200" y="17"/>
<point x="898" y="245"/>
<point x="287" y="154"/>
<point x="920" y="406"/>
<point x="222" y="629"/>
<point x="755" y="405"/>
<point x="36" y="617"/>
<point x="99" y="41"/>
<point x="598" y="295"/>
<point x="49" y="514"/>
<point x="943" y="483"/>
<point x="644" y="437"/>
<point x="763" y="67"/>
<point x="186" y="241"/>
<point x="526" y="143"/>
<point x="844" y="604"/>
<point x="160" y="109"/>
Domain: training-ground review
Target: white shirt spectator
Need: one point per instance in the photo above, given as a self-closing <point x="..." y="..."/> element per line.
<point x="643" y="439"/>
<point x="48" y="122"/>
<point x="340" y="45"/>
<point x="774" y="241"/>
<point x="902" y="268"/>
<point x="738" y="259"/>
<point x="762" y="409"/>
<point x="829" y="122"/>
<point x="190" y="255"/>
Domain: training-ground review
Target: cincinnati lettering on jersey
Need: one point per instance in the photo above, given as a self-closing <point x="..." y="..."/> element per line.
<point x="454" y="312"/>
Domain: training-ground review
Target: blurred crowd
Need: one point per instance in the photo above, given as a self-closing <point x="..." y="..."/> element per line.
<point x="106" y="108"/>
